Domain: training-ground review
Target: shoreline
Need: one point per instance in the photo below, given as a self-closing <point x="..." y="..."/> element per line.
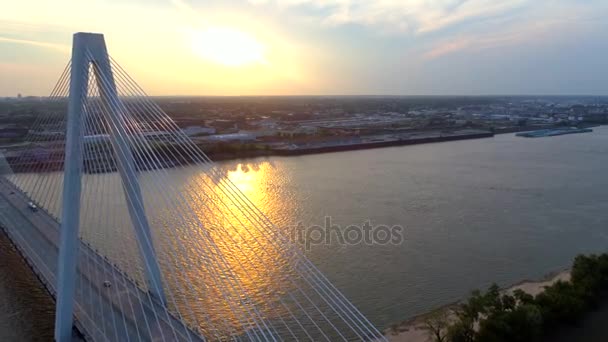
<point x="363" y="143"/>
<point x="413" y="330"/>
<point x="284" y="152"/>
<point x="343" y="147"/>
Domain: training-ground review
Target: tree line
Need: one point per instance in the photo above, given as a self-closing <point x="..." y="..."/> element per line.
<point x="498" y="316"/>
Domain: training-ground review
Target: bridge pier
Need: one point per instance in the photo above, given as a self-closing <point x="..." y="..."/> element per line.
<point x="87" y="49"/>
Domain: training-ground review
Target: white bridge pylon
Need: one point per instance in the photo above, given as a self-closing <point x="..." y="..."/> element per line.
<point x="89" y="53"/>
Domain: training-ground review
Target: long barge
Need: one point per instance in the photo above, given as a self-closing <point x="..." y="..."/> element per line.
<point x="306" y="149"/>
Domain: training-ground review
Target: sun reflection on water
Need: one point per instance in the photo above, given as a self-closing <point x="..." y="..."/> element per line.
<point x="245" y="256"/>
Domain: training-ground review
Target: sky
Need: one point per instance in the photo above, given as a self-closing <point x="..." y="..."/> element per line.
<point x="318" y="47"/>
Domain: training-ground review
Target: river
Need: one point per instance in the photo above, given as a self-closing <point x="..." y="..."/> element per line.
<point x="474" y="212"/>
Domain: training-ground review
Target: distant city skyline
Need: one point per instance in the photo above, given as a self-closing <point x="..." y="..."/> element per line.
<point x="314" y="47"/>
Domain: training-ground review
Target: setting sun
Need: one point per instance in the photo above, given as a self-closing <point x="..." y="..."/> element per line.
<point x="228" y="46"/>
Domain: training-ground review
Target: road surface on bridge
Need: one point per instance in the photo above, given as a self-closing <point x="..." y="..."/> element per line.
<point x="122" y="312"/>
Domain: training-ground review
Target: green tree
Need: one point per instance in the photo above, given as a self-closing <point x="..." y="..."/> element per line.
<point x="560" y="303"/>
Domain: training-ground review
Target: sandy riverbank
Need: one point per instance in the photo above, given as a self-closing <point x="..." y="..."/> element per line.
<point x="413" y="329"/>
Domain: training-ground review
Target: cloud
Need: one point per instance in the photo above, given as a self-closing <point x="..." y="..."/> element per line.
<point x="538" y="26"/>
<point x="59" y="47"/>
<point x="476" y="43"/>
<point x="402" y="16"/>
<point x="448" y="47"/>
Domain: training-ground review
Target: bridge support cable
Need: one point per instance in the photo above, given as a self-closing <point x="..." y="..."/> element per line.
<point x="240" y="195"/>
<point x="345" y="307"/>
<point x="97" y="211"/>
<point x="161" y="182"/>
<point x="34" y="163"/>
<point x="136" y="304"/>
<point x="194" y="200"/>
<point x="121" y="152"/>
<point x="125" y="165"/>
<point x="204" y="202"/>
<point x="250" y="319"/>
<point x="39" y="174"/>
<point x="108" y="159"/>
<point x="164" y="156"/>
<point x="40" y="179"/>
<point x="348" y="308"/>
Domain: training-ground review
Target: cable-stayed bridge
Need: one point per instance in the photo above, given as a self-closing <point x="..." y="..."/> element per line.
<point x="131" y="256"/>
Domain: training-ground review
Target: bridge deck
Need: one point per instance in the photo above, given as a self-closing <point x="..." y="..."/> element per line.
<point x="121" y="313"/>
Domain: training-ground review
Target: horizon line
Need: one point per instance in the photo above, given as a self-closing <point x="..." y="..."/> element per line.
<point x="360" y="95"/>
